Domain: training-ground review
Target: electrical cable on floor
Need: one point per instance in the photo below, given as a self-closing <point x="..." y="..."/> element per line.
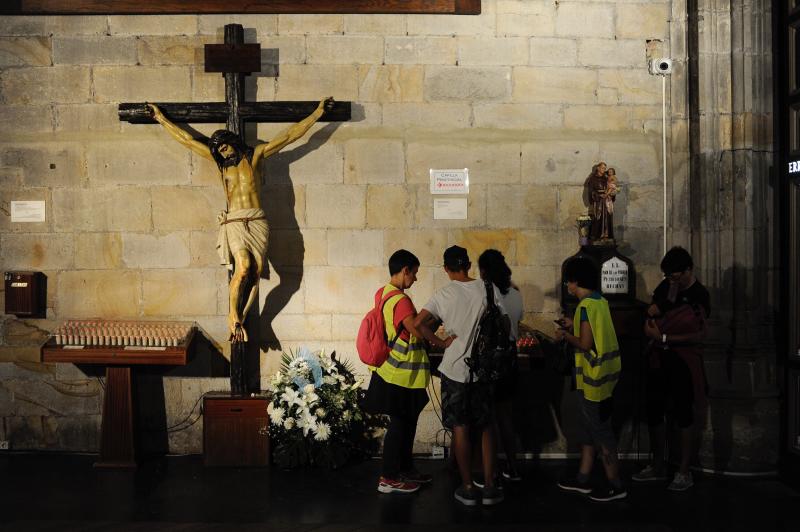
<point x="174" y="428"/>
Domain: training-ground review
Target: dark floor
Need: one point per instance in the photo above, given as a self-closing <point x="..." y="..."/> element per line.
<point x="63" y="492"/>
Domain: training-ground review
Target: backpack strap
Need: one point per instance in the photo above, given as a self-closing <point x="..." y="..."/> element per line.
<point x="383" y="302"/>
<point x="489" y="294"/>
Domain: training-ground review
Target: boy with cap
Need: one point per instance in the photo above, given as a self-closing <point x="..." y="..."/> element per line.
<point x="466" y="405"/>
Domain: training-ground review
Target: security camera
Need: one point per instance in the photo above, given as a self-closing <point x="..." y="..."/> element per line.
<point x="661" y="66"/>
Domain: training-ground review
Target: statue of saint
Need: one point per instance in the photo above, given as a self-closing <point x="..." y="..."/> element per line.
<point x="602" y="188"/>
<point x="243" y="231"/>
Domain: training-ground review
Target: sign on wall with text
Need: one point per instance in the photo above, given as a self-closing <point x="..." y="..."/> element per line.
<point x="614" y="276"/>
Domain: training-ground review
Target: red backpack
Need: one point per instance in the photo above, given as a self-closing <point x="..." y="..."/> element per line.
<point x="371" y="342"/>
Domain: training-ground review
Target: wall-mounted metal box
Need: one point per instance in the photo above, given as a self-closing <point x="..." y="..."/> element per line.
<point x="26" y="294"/>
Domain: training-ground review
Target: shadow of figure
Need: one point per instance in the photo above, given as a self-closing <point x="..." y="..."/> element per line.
<point x="286" y="249"/>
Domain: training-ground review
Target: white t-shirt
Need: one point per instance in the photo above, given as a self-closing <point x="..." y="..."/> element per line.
<point x="460" y="306"/>
<point x="512" y="302"/>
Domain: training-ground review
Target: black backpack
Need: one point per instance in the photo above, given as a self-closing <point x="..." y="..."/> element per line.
<point x="493" y="352"/>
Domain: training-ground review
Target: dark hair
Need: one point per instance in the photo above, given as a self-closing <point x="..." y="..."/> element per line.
<point x="224" y="136"/>
<point x="676" y="260"/>
<point x="493" y="265"/>
<point x="400" y="259"/>
<point x="456" y="259"/>
<point x="582" y="271"/>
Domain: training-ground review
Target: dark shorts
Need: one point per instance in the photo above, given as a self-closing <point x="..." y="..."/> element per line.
<point x="466" y="404"/>
<point x="595" y="427"/>
<point x="670" y="389"/>
<point x="385" y="398"/>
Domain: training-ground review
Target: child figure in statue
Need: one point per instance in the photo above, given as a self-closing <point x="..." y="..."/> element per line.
<point x="611" y="191"/>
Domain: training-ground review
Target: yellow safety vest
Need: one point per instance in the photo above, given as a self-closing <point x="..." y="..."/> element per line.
<point x="408" y="365"/>
<point x="597" y="370"/>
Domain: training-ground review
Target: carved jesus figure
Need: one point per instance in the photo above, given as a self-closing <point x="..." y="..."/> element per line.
<point x="243" y="232"/>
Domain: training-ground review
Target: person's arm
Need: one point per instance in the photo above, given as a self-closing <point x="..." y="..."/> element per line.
<point x="183" y="137"/>
<point x="583" y="342"/>
<point x="422" y="325"/>
<point x="652" y="330"/>
<point x="293" y="132"/>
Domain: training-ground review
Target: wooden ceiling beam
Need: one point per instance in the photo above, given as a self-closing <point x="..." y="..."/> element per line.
<point x="200" y="7"/>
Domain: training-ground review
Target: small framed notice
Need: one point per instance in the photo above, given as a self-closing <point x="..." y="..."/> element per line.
<point x="450" y="181"/>
<point x="27" y="211"/>
<point x="450" y="209"/>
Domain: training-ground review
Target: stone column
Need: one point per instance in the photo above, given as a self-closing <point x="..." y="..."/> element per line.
<point x="732" y="230"/>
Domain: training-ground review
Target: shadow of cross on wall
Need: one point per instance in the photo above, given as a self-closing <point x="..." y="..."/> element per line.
<point x="234" y="60"/>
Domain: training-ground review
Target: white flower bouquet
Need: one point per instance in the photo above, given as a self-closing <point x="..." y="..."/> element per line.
<point x="315" y="417"/>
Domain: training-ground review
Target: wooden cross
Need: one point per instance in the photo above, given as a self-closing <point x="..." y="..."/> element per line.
<point x="234" y="60"/>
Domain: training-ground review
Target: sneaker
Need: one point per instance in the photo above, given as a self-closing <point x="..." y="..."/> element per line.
<point x="467" y="496"/>
<point x="388" y="485"/>
<point x="649" y="474"/>
<point x="574" y="485"/>
<point x="608" y="494"/>
<point x="511" y="475"/>
<point x="681" y="482"/>
<point x="417" y="477"/>
<point x="492" y="496"/>
<point x="478" y="482"/>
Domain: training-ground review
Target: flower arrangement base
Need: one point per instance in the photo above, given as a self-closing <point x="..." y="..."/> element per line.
<point x="235" y="430"/>
<point x="315" y="413"/>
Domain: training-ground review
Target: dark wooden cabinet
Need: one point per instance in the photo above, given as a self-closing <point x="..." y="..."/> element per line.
<point x="235" y="430"/>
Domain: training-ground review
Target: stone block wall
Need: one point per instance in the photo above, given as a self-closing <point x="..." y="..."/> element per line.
<point x="528" y="96"/>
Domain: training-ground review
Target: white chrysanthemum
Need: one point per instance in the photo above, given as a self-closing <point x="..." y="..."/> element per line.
<point x="288" y="423"/>
<point x="328" y="379"/>
<point x="323" y="432"/>
<point x="276" y="415"/>
<point x="346" y="415"/>
<point x="320" y="412"/>
<point x="308" y="388"/>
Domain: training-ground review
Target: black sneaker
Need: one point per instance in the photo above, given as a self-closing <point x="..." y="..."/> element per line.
<point x="492" y="496"/>
<point x="574" y="485"/>
<point x="608" y="494"/>
<point x="467" y="497"/>
<point x="511" y="475"/>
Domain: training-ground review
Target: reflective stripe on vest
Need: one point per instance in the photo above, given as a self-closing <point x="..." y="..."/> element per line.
<point x="408" y="364"/>
<point x="597" y="370"/>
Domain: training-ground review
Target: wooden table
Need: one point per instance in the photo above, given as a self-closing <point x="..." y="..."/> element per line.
<point x="117" y="449"/>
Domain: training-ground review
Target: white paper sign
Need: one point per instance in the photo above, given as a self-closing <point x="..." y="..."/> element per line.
<point x="450" y="181"/>
<point x="27" y="211"/>
<point x="450" y="209"/>
<point x="615" y="276"/>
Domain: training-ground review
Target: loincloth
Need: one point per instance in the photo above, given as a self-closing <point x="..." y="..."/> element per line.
<point x="242" y="229"/>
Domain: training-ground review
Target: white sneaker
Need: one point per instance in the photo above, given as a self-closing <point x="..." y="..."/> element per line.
<point x="681" y="482"/>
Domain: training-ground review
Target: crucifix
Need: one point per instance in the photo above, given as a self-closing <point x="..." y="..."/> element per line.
<point x="243" y="234"/>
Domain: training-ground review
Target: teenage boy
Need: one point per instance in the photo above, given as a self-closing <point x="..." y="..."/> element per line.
<point x="676" y="323"/>
<point x="466" y="406"/>
<point x="597" y="370"/>
<point x="397" y="387"/>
